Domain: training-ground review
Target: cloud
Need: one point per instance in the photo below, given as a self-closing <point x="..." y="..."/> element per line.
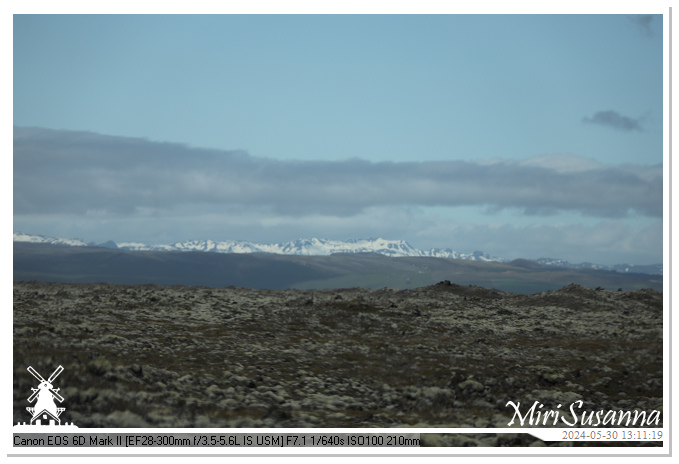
<point x="91" y="175"/>
<point x="615" y="120"/>
<point x="643" y="23"/>
<point x="604" y="242"/>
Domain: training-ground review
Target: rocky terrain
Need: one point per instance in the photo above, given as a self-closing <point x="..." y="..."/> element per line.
<point x="439" y="356"/>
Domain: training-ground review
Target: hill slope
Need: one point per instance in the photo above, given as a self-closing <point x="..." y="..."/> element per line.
<point x="57" y="263"/>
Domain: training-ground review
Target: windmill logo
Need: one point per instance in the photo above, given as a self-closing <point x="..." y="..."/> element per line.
<point x="45" y="408"/>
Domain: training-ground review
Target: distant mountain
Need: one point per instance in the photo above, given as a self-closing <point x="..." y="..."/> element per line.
<point x="45" y="262"/>
<point x="323" y="247"/>
<point x="623" y="268"/>
<point x="314" y="247"/>
<point x="21" y="237"/>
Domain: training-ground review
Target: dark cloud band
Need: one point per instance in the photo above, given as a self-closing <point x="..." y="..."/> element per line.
<point x="82" y="173"/>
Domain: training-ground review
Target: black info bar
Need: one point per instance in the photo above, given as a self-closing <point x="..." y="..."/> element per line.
<point x="281" y="440"/>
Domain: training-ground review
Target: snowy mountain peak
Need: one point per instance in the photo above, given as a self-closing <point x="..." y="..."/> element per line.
<point x="21" y="237"/>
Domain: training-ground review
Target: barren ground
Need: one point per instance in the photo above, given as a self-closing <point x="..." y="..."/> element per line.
<point x="439" y="356"/>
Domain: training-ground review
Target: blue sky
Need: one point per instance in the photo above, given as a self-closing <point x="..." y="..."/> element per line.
<point x="518" y="135"/>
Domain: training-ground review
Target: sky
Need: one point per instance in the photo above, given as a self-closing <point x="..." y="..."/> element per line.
<point x="522" y="136"/>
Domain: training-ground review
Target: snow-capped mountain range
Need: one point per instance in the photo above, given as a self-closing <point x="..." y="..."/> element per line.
<point x="306" y="247"/>
<point x="21" y="237"/>
<point x="314" y="247"/>
<point x="322" y="247"/>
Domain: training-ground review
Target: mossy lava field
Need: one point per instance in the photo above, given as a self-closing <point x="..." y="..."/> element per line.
<point x="439" y="356"/>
